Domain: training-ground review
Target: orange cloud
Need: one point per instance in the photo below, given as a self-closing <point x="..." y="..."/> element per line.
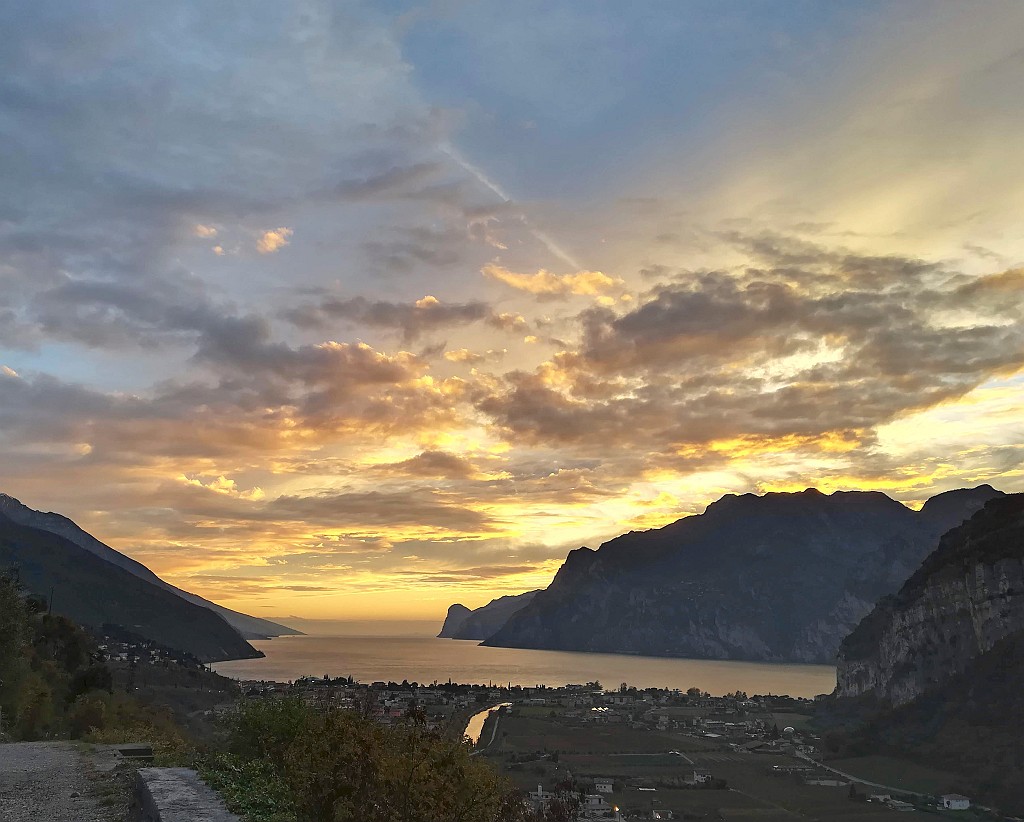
<point x="546" y="284"/>
<point x="273" y="240"/>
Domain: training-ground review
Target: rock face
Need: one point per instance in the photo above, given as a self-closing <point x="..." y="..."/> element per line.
<point x="249" y="627"/>
<point x="779" y="577"/>
<point x="462" y="623"/>
<point x="457" y="614"/>
<point x="94" y="592"/>
<point x="966" y="598"/>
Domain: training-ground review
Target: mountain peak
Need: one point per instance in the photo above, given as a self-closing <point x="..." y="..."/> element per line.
<point x="950" y="508"/>
<point x="456" y="615"/>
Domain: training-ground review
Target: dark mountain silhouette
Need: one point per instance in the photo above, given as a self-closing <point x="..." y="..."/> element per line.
<point x="95" y="592"/>
<point x="781" y="577"/>
<point x="249" y="627"/>
<point x="462" y="623"/>
<point x="456" y="615"/>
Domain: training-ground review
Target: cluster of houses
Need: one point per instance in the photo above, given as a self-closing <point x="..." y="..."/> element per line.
<point x="581" y="806"/>
<point x="740" y="724"/>
<point x="140" y="652"/>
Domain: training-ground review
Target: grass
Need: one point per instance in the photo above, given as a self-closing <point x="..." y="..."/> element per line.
<point x="525" y="733"/>
<point x="252" y="789"/>
<point x="799" y="721"/>
<point x="899" y="773"/>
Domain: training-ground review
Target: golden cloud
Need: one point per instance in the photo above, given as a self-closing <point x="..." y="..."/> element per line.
<point x="546" y="284"/>
<point x="273" y="240"/>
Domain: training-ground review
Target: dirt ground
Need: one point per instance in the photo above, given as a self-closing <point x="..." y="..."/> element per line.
<point x="57" y="782"/>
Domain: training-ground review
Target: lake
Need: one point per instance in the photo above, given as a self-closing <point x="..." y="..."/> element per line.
<point x="426" y="659"/>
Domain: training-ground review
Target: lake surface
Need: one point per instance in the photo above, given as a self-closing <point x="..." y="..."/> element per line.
<point x="426" y="659"/>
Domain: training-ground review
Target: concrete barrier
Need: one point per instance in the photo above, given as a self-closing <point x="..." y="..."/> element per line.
<point x="175" y="795"/>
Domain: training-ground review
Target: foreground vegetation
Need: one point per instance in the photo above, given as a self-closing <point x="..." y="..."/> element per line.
<point x="274" y="760"/>
<point x="287" y="761"/>
<point x="54" y="684"/>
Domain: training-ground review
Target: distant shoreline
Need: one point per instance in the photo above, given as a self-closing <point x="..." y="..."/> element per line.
<point x="426" y="659"/>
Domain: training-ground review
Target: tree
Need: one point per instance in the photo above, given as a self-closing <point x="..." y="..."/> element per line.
<point x="14" y="636"/>
<point x="344" y="768"/>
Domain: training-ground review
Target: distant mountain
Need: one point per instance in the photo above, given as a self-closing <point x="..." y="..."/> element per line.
<point x="249" y="627"/>
<point x="779" y="577"/>
<point x="95" y="592"/>
<point x="456" y="615"/>
<point x="934" y="672"/>
<point x="462" y="623"/>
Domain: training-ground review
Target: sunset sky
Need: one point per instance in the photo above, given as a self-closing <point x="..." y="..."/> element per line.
<point x="351" y="310"/>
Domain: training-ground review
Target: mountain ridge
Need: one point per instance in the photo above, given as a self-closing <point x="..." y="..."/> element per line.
<point x="94" y="592"/>
<point x="249" y="627"/>
<point x="772" y="577"/>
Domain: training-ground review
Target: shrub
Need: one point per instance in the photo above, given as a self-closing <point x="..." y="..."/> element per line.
<point x="265" y="728"/>
<point x="252" y="788"/>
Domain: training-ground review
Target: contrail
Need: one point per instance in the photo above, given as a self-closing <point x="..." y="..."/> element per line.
<point x="486" y="181"/>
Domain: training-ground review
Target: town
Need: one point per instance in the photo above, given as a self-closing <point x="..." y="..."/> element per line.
<point x="586" y="752"/>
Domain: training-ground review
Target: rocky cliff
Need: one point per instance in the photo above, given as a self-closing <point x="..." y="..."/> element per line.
<point x="780" y="577"/>
<point x="453" y="620"/>
<point x="966" y="597"/>
<point x="462" y="623"/>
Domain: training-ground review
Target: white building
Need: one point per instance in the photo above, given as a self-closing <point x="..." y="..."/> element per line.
<point x="955" y="802"/>
<point x="604" y="785"/>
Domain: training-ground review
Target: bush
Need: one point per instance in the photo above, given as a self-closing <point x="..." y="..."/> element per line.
<point x="126" y="720"/>
<point x="87" y="714"/>
<point x="265" y="728"/>
<point x="252" y="788"/>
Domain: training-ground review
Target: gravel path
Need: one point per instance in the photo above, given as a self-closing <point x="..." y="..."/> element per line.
<point x="47" y="782"/>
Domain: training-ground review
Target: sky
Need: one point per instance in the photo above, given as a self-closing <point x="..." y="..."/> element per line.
<point x="353" y="310"/>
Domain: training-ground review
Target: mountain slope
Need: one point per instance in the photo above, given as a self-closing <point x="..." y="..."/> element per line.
<point x="94" y="592"/>
<point x="485" y="620"/>
<point x="249" y="627"/>
<point x="967" y="596"/>
<point x="780" y="577"/>
<point x="934" y="672"/>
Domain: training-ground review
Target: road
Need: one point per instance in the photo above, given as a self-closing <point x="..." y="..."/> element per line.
<point x="47" y="781"/>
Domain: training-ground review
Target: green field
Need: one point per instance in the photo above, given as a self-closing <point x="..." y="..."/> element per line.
<point x="540" y="733"/>
<point x="799" y="721"/>
<point x="629" y="754"/>
<point x="899" y="773"/>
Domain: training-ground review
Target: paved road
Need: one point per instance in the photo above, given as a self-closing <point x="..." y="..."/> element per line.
<point x="46" y="782"/>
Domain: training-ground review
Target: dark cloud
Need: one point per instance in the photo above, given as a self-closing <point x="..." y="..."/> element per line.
<point x="393" y="182"/>
<point x="800" y="351"/>
<point x="411" y="319"/>
<point x="435" y="464"/>
<point x="417" y="507"/>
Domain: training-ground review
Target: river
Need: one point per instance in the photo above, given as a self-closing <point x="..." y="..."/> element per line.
<point x="476" y="722"/>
